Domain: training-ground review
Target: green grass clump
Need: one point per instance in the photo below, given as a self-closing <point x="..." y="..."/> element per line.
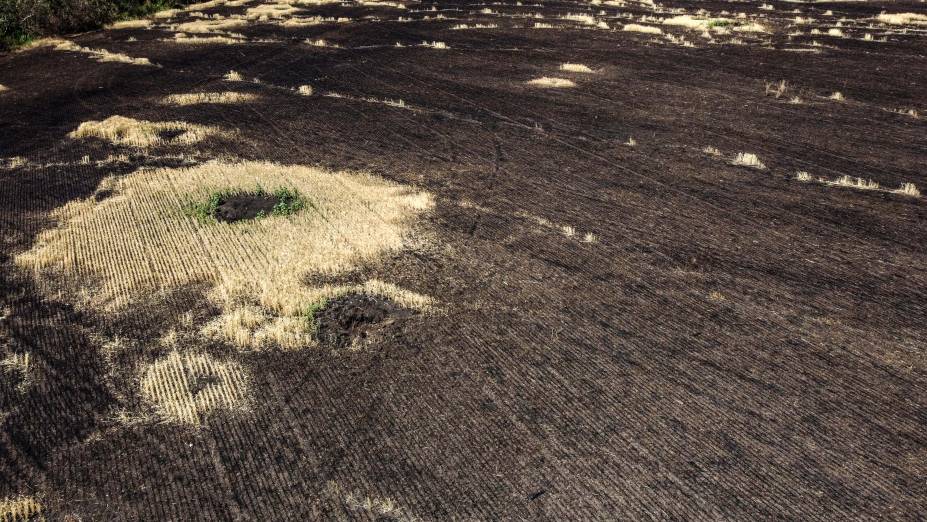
<point x="206" y="211"/>
<point x="719" y="23"/>
<point x="312" y="325"/>
<point x="289" y="202"/>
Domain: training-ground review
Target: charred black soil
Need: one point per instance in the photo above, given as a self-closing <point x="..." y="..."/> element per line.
<point x="350" y="318"/>
<point x="244" y="206"/>
<point x="627" y="326"/>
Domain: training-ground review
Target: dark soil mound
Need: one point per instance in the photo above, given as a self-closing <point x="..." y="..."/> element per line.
<point x="352" y="316"/>
<point x="245" y="206"/>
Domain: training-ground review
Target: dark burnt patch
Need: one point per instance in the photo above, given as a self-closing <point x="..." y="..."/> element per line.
<point x="354" y="316"/>
<point x="201" y="382"/>
<point x="169" y="134"/>
<point x="102" y="194"/>
<point x="245" y="206"/>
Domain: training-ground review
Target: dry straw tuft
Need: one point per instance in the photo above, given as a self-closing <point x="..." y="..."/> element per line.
<point x="230" y="39"/>
<point x="131" y="24"/>
<point x="646" y="29"/>
<point x="199" y="98"/>
<point x="902" y="18"/>
<point x="551" y="83"/>
<point x="908" y="189"/>
<point x="186" y="388"/>
<point x="20" y="509"/>
<point x="777" y="89"/>
<point x="143" y="134"/>
<point x="576" y="68"/>
<point x="746" y="159"/>
<point x="101" y="55"/>
<point x="858" y="183"/>
<point x="210" y="26"/>
<point x="267" y="11"/>
<point x="435" y="45"/>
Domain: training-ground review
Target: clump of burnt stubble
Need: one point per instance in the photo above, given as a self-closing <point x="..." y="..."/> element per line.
<point x="350" y="318"/>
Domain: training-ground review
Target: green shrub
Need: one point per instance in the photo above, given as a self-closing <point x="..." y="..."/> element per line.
<point x="23" y="20"/>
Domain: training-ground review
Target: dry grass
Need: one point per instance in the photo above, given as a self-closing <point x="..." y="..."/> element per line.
<point x="186" y="388"/>
<point x="777" y="89"/>
<point x="229" y="39"/>
<point x="349" y="218"/>
<point x="254" y="327"/>
<point x="232" y="76"/>
<point x="712" y="151"/>
<point x="837" y="96"/>
<point x="547" y="82"/>
<point x="435" y="45"/>
<point x="751" y="27"/>
<point x="372" y="3"/>
<point x="459" y="27"/>
<point x="746" y="159"/>
<point x="581" y="18"/>
<point x="305" y="90"/>
<point x="20" y="363"/>
<point x="902" y="18"/>
<point x="120" y="130"/>
<point x="374" y="508"/>
<point x="638" y="28"/>
<point x="857" y="183"/>
<point x="689" y="22"/>
<point x="102" y="55"/>
<point x="268" y="11"/>
<point x="908" y="189"/>
<point x="576" y="68"/>
<point x="21" y="509"/>
<point x="313" y="20"/>
<point x="198" y="98"/>
<point x="567" y="230"/>
<point x="204" y="5"/>
<point x="167" y="13"/>
<point x="3" y="88"/>
<point x="210" y="26"/>
<point x="131" y="24"/>
<point x="14" y="162"/>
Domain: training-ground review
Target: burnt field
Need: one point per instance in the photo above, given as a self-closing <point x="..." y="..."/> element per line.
<point x="322" y="260"/>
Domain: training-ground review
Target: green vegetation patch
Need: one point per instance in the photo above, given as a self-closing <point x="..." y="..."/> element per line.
<point x="24" y="20"/>
<point x="312" y="324"/>
<point x="238" y="205"/>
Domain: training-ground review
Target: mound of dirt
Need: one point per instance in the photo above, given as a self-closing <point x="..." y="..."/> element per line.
<point x="352" y="316"/>
<point x="245" y="206"/>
